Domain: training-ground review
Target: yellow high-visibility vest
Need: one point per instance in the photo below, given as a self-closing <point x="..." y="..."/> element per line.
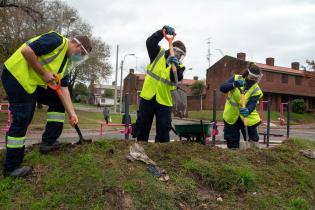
<point x="157" y="81"/>
<point x="234" y="103"/>
<point x="26" y="75"/>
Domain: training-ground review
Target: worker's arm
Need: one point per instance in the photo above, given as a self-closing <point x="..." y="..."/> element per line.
<point x="153" y="44"/>
<point x="72" y="115"/>
<point x="32" y="60"/>
<point x="227" y="85"/>
<point x="252" y="103"/>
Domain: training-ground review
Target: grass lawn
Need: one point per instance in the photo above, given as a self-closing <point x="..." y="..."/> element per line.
<point x="275" y="116"/>
<point x="98" y="176"/>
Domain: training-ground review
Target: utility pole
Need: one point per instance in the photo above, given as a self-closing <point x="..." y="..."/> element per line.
<point x="115" y="97"/>
<point x="209" y="51"/>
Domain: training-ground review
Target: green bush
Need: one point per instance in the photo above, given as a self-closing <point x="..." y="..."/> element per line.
<point x="298" y="106"/>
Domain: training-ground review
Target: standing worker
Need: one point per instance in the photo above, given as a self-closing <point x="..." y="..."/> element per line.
<point x="159" y="81"/>
<point x="25" y="76"/>
<point x="234" y="114"/>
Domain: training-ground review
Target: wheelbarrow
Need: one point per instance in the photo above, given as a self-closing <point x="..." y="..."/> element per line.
<point x="194" y="131"/>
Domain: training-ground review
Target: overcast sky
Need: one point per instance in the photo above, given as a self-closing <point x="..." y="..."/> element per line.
<point x="283" y="29"/>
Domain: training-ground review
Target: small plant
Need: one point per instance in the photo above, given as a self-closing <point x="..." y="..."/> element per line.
<point x="298" y="106"/>
<point x="298" y="204"/>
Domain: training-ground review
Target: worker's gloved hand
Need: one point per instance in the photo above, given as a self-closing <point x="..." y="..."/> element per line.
<point x="172" y="59"/>
<point x="238" y="83"/>
<point x="169" y="30"/>
<point x="244" y="112"/>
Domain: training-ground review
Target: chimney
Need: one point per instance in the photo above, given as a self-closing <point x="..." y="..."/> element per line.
<point x="295" y="65"/>
<point x="195" y="77"/>
<point x="131" y="71"/>
<point x="270" y="61"/>
<point x="241" y="56"/>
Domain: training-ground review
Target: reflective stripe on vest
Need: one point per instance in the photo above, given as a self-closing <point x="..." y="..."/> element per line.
<point x="56" y="117"/>
<point x="50" y="59"/>
<point x="165" y="81"/>
<point x="161" y="53"/>
<point x="15" y="142"/>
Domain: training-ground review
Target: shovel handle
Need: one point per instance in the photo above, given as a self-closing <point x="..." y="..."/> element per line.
<point x="170" y="39"/>
<point x="244" y="106"/>
<point x="56" y="84"/>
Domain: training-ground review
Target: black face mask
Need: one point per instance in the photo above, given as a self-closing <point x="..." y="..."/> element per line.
<point x="249" y="83"/>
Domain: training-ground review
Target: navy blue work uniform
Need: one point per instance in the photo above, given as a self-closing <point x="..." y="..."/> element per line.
<point x="22" y="104"/>
<point x="149" y="108"/>
<point x="232" y="132"/>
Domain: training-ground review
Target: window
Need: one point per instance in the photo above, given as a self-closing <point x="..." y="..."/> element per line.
<point x="269" y="76"/>
<point x="284" y="78"/>
<point x="298" y="80"/>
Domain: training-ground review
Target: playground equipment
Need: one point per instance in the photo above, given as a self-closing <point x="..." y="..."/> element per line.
<point x="126" y="122"/>
<point x="267" y="133"/>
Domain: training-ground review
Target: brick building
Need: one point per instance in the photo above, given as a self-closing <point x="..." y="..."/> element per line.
<point x="279" y="84"/>
<point x="133" y="85"/>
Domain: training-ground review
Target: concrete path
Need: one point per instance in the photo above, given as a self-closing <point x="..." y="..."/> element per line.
<point x="69" y="135"/>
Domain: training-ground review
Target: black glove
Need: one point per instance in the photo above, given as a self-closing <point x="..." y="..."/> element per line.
<point x="169" y="30"/>
<point x="172" y="59"/>
<point x="238" y="83"/>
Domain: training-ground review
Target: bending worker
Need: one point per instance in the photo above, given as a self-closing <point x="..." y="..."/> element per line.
<point x="25" y="76"/>
<point x="234" y="114"/>
<point x="159" y="81"/>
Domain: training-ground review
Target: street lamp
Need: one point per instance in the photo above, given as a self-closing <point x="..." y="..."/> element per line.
<point x="121" y="79"/>
<point x="71" y="20"/>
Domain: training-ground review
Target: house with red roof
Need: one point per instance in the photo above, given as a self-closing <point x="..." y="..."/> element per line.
<point x="279" y="84"/>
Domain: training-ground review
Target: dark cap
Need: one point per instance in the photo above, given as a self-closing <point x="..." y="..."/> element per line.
<point x="180" y="45"/>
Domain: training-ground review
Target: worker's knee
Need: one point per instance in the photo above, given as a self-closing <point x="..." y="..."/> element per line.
<point x="21" y="117"/>
<point x="231" y="135"/>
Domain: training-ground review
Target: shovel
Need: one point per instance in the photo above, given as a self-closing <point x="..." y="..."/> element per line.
<point x="56" y="85"/>
<point x="244" y="144"/>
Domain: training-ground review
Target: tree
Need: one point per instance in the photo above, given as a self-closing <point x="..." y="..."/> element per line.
<point x="96" y="68"/>
<point x="197" y="89"/>
<point x="109" y="93"/>
<point x="21" y="20"/>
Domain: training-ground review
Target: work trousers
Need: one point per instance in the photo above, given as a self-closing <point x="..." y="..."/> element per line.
<point x="147" y="110"/>
<point x="232" y="133"/>
<point x="22" y="106"/>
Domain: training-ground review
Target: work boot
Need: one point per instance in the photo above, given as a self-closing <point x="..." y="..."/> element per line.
<point x="22" y="171"/>
<point x="254" y="144"/>
<point x="46" y="147"/>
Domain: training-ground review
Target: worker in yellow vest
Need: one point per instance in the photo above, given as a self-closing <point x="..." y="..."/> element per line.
<point x="159" y="81"/>
<point x="25" y="76"/>
<point x="234" y="114"/>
